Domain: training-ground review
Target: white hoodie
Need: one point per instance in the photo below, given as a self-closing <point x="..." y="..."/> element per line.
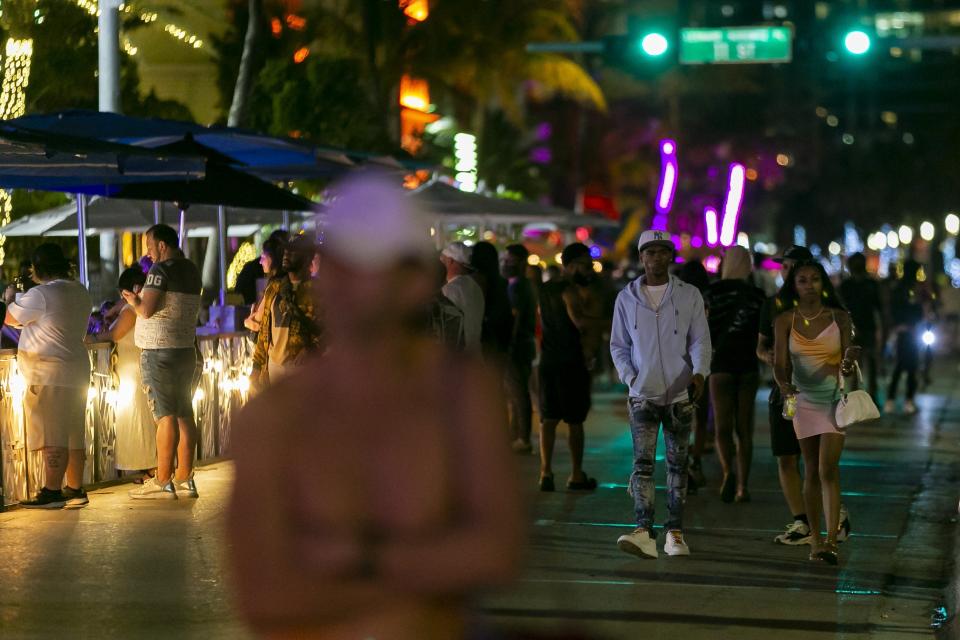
<point x="657" y="352"/>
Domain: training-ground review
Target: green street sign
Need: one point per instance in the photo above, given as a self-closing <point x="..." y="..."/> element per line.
<point x="736" y="45"/>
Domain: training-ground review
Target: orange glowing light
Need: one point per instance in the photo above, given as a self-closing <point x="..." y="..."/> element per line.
<point x="276" y="27"/>
<point x="416" y="10"/>
<point x="751" y="174"/>
<point x="301" y="54"/>
<point x="415" y="94"/>
<point x="296" y="22"/>
<point x="412" y="125"/>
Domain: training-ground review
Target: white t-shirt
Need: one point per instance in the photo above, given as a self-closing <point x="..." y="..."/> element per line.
<point x="655" y="294"/>
<point x="464" y="292"/>
<point x="54" y="316"/>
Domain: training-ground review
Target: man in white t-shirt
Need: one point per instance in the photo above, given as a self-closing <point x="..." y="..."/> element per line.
<point x="660" y="343"/>
<point x="462" y="290"/>
<point x="54" y="363"/>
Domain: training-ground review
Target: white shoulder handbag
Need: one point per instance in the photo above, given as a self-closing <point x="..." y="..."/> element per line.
<point x="856" y="406"/>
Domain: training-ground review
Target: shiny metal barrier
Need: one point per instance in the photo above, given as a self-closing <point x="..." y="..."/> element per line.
<point x="223" y="388"/>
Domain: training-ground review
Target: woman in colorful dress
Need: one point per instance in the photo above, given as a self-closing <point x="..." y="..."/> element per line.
<point x="812" y="343"/>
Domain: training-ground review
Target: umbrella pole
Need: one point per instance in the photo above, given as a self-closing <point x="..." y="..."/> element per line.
<point x="82" y="239"/>
<point x="183" y="233"/>
<point x="157" y="212"/>
<point x="285" y="221"/>
<point x="222" y="251"/>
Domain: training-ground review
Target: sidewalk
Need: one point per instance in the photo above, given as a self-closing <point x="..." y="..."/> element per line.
<point x="899" y="483"/>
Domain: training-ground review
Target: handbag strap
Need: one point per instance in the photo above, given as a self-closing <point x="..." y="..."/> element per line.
<point x="856" y="366"/>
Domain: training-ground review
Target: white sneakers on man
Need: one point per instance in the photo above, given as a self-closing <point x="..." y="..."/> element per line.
<point x="186" y="488"/>
<point x="674" y="544"/>
<point x="152" y="490"/>
<point x="638" y="543"/>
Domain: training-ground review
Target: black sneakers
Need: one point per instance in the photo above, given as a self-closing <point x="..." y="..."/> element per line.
<point x="45" y="499"/>
<point x="76" y="498"/>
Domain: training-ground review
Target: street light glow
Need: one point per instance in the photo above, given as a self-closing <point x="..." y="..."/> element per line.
<point x="857" y="42"/>
<point x="893" y="240"/>
<point x="834" y="248"/>
<point x="927" y="231"/>
<point x="952" y="223"/>
<point x="905" y="234"/>
<point x="654" y="44"/>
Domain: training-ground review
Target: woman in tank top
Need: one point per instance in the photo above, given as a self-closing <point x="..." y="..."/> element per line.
<point x="810" y="338"/>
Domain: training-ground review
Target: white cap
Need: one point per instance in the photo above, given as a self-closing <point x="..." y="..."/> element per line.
<point x="651" y="238"/>
<point x="458" y="252"/>
<point x="372" y="223"/>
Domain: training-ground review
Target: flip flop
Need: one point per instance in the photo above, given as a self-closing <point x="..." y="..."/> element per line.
<point x="587" y="484"/>
<point x="729" y="488"/>
<point x="546" y="483"/>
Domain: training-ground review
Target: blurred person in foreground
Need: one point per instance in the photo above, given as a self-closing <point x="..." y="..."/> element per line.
<point x="734" y="306"/>
<point x="332" y="535"/>
<point x="53" y="360"/>
<point x="861" y="296"/>
<point x="291" y="326"/>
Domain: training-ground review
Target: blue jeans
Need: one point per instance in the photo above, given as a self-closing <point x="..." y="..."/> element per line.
<point x="645" y="421"/>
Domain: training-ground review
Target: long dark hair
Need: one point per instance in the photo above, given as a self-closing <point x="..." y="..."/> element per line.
<point x="788" y="298"/>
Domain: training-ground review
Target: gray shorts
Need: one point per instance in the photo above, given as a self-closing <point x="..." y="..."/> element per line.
<point x="170" y="378"/>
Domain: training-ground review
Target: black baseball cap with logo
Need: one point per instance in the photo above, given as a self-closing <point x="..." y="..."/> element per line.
<point x="796" y="253"/>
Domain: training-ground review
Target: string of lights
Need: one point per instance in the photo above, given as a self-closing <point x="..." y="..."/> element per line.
<point x="13" y="104"/>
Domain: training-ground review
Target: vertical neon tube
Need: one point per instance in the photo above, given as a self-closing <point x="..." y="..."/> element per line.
<point x="731" y="208"/>
<point x="713" y="234"/>
<point x="668" y="179"/>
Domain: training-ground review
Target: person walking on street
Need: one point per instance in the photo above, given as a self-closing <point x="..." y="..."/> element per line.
<point x="570" y="314"/>
<point x="813" y="348"/>
<point x="907" y="310"/>
<point x="55" y="365"/>
<point x="329" y="538"/>
<point x="660" y="343"/>
<point x="497" y="317"/>
<point x="166" y="333"/>
<point x="464" y="291"/>
<point x="861" y="296"/>
<point x="291" y="326"/>
<point x="733" y="306"/>
<point x="522" y="348"/>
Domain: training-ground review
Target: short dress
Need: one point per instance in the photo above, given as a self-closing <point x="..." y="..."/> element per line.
<point x="136" y="445"/>
<point x="815" y="364"/>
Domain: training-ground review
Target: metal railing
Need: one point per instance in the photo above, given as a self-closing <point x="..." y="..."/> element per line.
<point x="223" y="389"/>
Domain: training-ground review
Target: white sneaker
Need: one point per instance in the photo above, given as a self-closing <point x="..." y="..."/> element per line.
<point x="638" y="543"/>
<point x="909" y="408"/>
<point x="153" y="490"/>
<point x="797" y="533"/>
<point x="186" y="488"/>
<point x="675" y="546"/>
<point x="889" y="407"/>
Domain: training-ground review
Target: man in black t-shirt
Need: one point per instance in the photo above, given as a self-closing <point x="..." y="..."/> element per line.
<point x="570" y="316"/>
<point x="522" y="347"/>
<point x="861" y="296"/>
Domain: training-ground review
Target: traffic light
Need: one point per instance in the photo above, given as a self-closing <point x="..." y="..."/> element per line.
<point x="857" y="42"/>
<point x="654" y="44"/>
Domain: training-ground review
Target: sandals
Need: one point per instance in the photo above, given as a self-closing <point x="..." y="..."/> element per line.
<point x="546" y="483"/>
<point x="742" y="497"/>
<point x="587" y="484"/>
<point x="827" y="553"/>
<point x="729" y="488"/>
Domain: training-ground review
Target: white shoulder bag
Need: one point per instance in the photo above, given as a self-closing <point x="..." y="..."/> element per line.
<point x="856" y="406"/>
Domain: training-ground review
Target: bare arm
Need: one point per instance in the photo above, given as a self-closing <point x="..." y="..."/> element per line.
<point x="146" y="303"/>
<point x="783" y="366"/>
<point x="123" y="325"/>
<point x="484" y="546"/>
<point x="765" y="349"/>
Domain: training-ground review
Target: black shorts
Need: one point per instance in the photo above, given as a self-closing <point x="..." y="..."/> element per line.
<point x="783" y="439"/>
<point x="564" y="392"/>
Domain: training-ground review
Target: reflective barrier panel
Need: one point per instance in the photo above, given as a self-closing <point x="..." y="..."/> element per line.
<point x="223" y="388"/>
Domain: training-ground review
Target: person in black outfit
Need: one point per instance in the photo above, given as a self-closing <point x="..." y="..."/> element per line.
<point x="907" y="311"/>
<point x="497" y="317"/>
<point x="570" y="315"/>
<point x="694" y="273"/>
<point x="252" y="271"/>
<point x="861" y="296"/>
<point x="522" y="348"/>
<point x="733" y="314"/>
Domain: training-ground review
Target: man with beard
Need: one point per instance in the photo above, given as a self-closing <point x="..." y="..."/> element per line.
<point x="571" y="315"/>
<point x="290" y="328"/>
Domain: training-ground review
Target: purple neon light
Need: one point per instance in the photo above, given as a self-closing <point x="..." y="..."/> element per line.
<point x="731" y="208"/>
<point x="659" y="222"/>
<point x="668" y="176"/>
<point x="713" y="234"/>
<point x="696" y="242"/>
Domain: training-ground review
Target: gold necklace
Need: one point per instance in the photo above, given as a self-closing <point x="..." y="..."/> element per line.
<point x="806" y="320"/>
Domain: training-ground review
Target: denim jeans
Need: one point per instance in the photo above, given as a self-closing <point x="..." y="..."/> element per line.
<point x="645" y="421"/>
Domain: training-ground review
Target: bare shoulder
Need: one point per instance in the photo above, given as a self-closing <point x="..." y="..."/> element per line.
<point x="783" y="320"/>
<point x="842" y="316"/>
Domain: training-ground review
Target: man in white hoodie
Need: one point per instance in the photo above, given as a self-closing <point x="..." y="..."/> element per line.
<point x="660" y="343"/>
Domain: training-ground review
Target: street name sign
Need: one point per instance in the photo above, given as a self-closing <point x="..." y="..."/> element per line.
<point x="736" y="45"/>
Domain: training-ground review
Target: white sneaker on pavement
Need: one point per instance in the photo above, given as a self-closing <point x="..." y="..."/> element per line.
<point x="675" y="546"/>
<point x="909" y="408"/>
<point x="638" y="543"/>
<point x="797" y="533"/>
<point x="186" y="488"/>
<point x="153" y="490"/>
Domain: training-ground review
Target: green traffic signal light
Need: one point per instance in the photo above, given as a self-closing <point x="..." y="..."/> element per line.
<point x="654" y="44"/>
<point x="857" y="42"/>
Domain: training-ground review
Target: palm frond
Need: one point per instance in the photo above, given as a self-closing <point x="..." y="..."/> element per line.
<point x="556" y="75"/>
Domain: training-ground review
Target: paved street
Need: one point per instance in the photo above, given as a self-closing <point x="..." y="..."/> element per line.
<point x="120" y="569"/>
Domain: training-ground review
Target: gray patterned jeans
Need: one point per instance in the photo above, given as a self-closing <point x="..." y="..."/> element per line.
<point x="645" y="421"/>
